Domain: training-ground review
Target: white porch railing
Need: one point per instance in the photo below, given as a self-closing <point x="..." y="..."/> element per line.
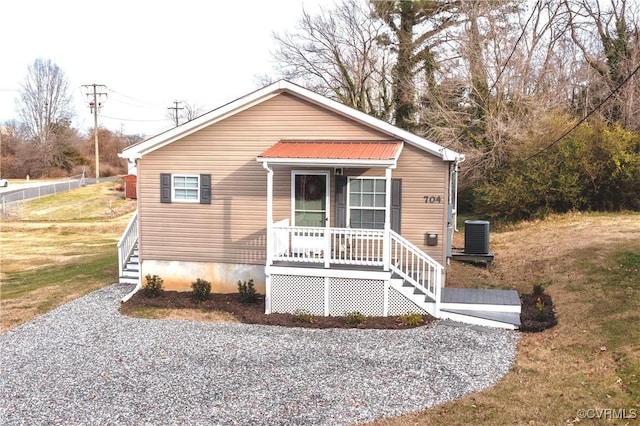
<point x="327" y="246"/>
<point x="358" y="247"/>
<point x="416" y="267"/>
<point x="127" y="243"/>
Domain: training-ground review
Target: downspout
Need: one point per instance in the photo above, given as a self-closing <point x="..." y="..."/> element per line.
<point x="456" y="169"/>
<point x="269" y="254"/>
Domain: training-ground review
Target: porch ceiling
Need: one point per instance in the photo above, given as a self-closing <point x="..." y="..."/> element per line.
<point x="333" y="153"/>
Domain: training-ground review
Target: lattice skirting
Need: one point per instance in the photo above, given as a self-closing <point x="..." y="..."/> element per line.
<point x="398" y="304"/>
<point x="291" y="293"/>
<point x="336" y="296"/>
<point x="351" y="295"/>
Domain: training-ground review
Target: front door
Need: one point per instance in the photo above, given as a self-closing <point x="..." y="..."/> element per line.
<point x="310" y="208"/>
<point x="310" y="199"/>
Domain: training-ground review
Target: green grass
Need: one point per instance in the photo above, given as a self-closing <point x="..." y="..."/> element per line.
<point x="76" y="275"/>
<point x="46" y="263"/>
<point x="85" y="203"/>
<point x="617" y="313"/>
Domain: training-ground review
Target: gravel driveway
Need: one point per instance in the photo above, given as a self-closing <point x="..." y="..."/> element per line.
<point x="84" y="363"/>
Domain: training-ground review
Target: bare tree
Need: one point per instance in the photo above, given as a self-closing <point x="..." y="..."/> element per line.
<point x="45" y="102"/>
<point x="608" y="36"/>
<point x="417" y="29"/>
<point x="516" y="69"/>
<point x="183" y="113"/>
<point x="338" y="53"/>
<point x="191" y="111"/>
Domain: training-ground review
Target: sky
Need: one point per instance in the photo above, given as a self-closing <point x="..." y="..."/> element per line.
<point x="148" y="54"/>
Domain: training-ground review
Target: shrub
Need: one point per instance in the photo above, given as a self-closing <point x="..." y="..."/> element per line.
<point x="201" y="290"/>
<point x="595" y="167"/>
<point x="153" y="287"/>
<point x="540" y="314"/>
<point x="303" y="316"/>
<point x="411" y="319"/>
<point x="355" y="318"/>
<point x="247" y="291"/>
<point x="538" y="289"/>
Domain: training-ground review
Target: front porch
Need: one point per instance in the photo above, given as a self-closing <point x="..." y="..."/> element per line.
<point x="334" y="271"/>
<point x="374" y="272"/>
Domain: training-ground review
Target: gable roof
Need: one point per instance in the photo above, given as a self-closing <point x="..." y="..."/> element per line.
<point x="261" y="95"/>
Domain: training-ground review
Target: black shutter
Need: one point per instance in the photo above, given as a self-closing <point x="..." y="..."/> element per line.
<point x="165" y="187"/>
<point x="205" y="189"/>
<point x="341" y="201"/>
<point x="396" y="204"/>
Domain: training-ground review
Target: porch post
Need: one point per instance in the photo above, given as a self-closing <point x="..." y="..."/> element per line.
<point x="386" y="242"/>
<point x="269" y="259"/>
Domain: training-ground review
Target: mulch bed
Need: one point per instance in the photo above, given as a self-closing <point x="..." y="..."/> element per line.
<point x="253" y="313"/>
<point x="532" y="320"/>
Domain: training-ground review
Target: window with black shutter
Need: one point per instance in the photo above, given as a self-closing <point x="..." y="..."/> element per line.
<point x="179" y="188"/>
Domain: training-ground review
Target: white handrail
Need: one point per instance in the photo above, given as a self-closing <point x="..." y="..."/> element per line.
<point x="127" y="242"/>
<point x="346" y="246"/>
<point x="416" y="267"/>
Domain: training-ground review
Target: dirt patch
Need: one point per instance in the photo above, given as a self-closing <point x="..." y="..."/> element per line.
<point x="538" y="313"/>
<point x="253" y="313"/>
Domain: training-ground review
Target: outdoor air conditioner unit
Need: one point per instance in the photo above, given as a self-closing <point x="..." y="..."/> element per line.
<point x="476" y="237"/>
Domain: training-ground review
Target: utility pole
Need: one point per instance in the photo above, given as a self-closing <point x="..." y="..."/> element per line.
<point x="94" y="103"/>
<point x="175" y="109"/>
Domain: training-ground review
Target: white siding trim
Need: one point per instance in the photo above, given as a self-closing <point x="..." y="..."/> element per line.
<point x="332" y="273"/>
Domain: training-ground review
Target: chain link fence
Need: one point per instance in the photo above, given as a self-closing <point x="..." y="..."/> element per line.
<point x="15" y="205"/>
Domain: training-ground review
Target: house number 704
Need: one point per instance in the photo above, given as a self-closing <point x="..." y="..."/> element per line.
<point x="431" y="199"/>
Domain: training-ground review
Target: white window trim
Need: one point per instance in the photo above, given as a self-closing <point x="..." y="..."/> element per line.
<point x="349" y="207"/>
<point x="173" y="189"/>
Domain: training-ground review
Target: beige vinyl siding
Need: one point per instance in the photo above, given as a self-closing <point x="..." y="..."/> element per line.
<point x="232" y="228"/>
<point x="422" y="175"/>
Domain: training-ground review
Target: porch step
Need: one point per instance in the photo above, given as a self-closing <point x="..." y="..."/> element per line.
<point x="132" y="266"/>
<point x="128" y="279"/>
<point x="474" y="299"/>
<point x="508" y="320"/>
<point x="416" y="290"/>
<point x="485" y="307"/>
<point x="131" y="271"/>
<point x="415" y="295"/>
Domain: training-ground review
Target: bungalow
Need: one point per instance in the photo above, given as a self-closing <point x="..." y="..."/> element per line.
<point x="327" y="209"/>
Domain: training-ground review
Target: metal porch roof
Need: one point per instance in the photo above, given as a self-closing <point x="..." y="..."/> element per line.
<point x="356" y="152"/>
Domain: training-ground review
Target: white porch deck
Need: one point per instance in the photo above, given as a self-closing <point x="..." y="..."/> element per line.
<point x="331" y="265"/>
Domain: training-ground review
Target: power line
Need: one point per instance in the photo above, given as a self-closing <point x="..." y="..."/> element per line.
<point x="140" y="102"/>
<point x="522" y="33"/>
<point x="132" y="120"/>
<point x="583" y="119"/>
